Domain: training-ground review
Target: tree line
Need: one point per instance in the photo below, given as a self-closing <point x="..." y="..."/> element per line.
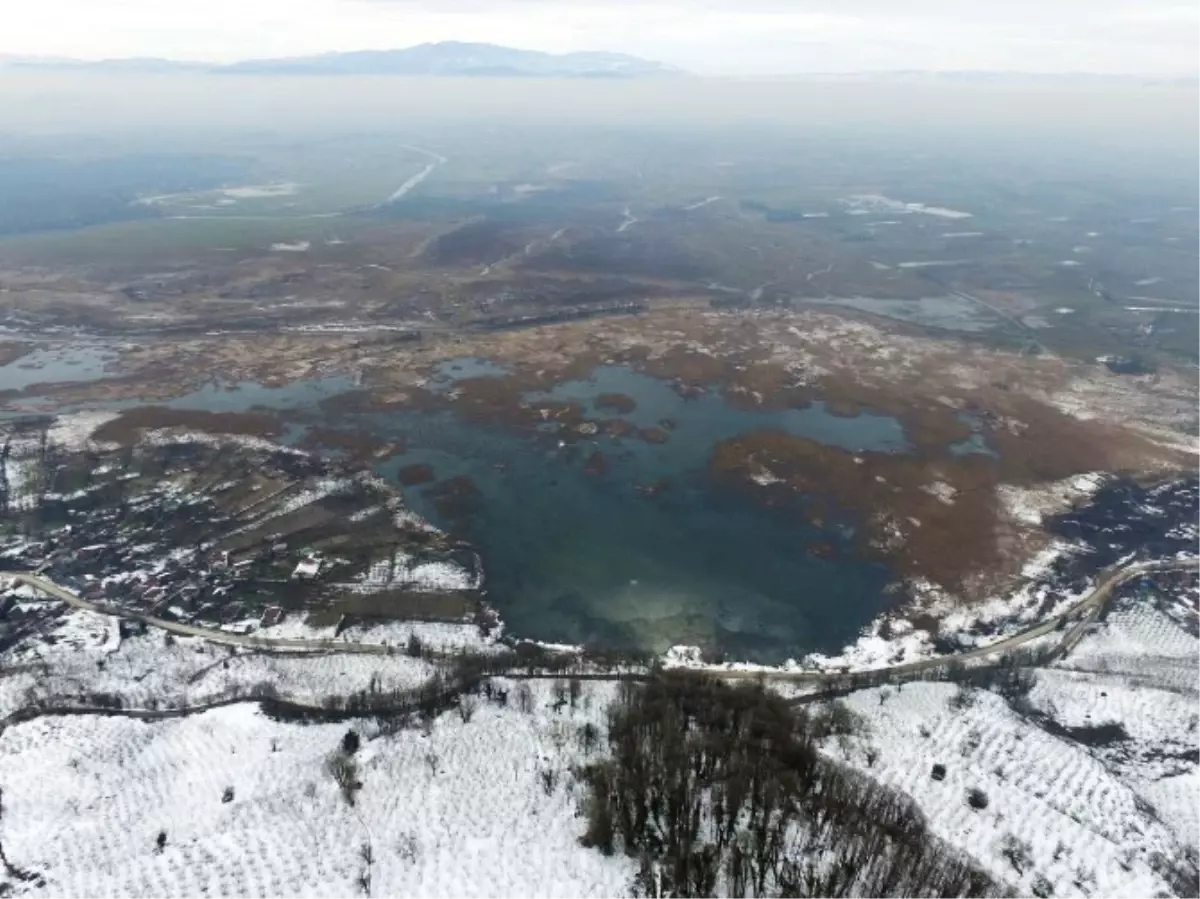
<point x="720" y="789"/>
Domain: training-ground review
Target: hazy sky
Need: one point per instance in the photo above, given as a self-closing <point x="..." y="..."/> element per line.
<point x="704" y="36"/>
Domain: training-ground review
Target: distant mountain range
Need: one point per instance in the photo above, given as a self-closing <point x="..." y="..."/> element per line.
<point x="447" y="58"/>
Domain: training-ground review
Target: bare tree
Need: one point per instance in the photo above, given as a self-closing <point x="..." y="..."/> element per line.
<point x="719" y="789"/>
<point x="524" y="698"/>
<point x="342" y="768"/>
<point x="364" y="878"/>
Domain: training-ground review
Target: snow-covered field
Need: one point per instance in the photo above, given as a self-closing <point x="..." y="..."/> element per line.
<point x="1140" y="670"/>
<point x="1093" y="817"/>
<point x="484" y="808"/>
<point x="88" y="655"/>
<point x="1085" y="830"/>
<point x="489" y="807"/>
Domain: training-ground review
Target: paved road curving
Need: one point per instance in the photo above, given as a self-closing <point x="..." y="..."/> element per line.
<point x="212" y="635"/>
<point x="1087" y="610"/>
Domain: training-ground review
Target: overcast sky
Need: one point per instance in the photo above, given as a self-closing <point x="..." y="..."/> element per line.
<point x="704" y="36"/>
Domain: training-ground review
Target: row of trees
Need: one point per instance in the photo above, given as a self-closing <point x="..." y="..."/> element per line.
<point x="720" y="789"/>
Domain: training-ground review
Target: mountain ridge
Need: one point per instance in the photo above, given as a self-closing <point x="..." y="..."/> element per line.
<point x="450" y="58"/>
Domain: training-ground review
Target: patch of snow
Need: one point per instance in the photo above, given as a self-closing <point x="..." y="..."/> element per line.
<point x="932" y="263"/>
<point x="943" y="491"/>
<point x="307" y="568"/>
<point x="255" y="191"/>
<point x="1032" y="505"/>
<point x="434" y="576"/>
<point x="868" y="202"/>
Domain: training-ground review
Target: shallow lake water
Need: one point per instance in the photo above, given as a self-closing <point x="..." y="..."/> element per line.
<point x="246" y="395"/>
<point x="68" y="362"/>
<point x="578" y="557"/>
<point x="950" y="313"/>
<point x="581" y="557"/>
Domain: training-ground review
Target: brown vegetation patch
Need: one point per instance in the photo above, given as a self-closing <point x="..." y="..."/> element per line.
<point x="456" y="498"/>
<point x="686" y="365"/>
<point x="128" y="426"/>
<point x="596" y="464"/>
<point x="358" y="446"/>
<point x="935" y="514"/>
<point x="411" y="475"/>
<point x="12" y="350"/>
<point x="914" y="530"/>
<point x="617" y="427"/>
<point x="1039" y="443"/>
<point x="762" y="386"/>
<point x="928" y="424"/>
<point x="616" y="402"/>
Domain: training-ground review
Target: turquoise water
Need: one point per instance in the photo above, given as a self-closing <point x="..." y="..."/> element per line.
<point x="579" y="557"/>
<point x="591" y="558"/>
<point x="459" y="369"/>
<point x="246" y="395"/>
<point x="706" y="419"/>
<point x="76" y="362"/>
<point x="71" y="362"/>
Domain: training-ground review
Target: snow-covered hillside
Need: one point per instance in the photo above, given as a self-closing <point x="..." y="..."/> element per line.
<point x="85" y="653"/>
<point x="1089" y="782"/>
<point x="1082" y="827"/>
<point x="1140" y="671"/>
<point x="482" y="808"/>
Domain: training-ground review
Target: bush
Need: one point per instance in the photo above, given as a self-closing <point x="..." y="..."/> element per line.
<point x="589" y="738"/>
<point x="976" y="798"/>
<point x="938" y="772"/>
<point x="1018" y="853"/>
<point x="963" y="698"/>
<point x="835" y="719"/>
<point x="414" y="648"/>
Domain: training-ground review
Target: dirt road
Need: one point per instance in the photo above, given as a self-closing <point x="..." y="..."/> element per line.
<point x="1086" y="610"/>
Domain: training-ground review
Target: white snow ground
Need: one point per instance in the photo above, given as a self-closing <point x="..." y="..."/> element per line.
<point x="88" y="656"/>
<point x="1087" y="834"/>
<point x="1139" y="670"/>
<point x="464" y="811"/>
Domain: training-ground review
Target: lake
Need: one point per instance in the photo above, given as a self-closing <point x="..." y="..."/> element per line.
<point x="576" y="555"/>
<point x="645" y="550"/>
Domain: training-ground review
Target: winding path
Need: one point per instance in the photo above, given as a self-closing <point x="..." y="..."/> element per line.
<point x="1087" y="610"/>
<point x="212" y="635"/>
<point x="411" y="183"/>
